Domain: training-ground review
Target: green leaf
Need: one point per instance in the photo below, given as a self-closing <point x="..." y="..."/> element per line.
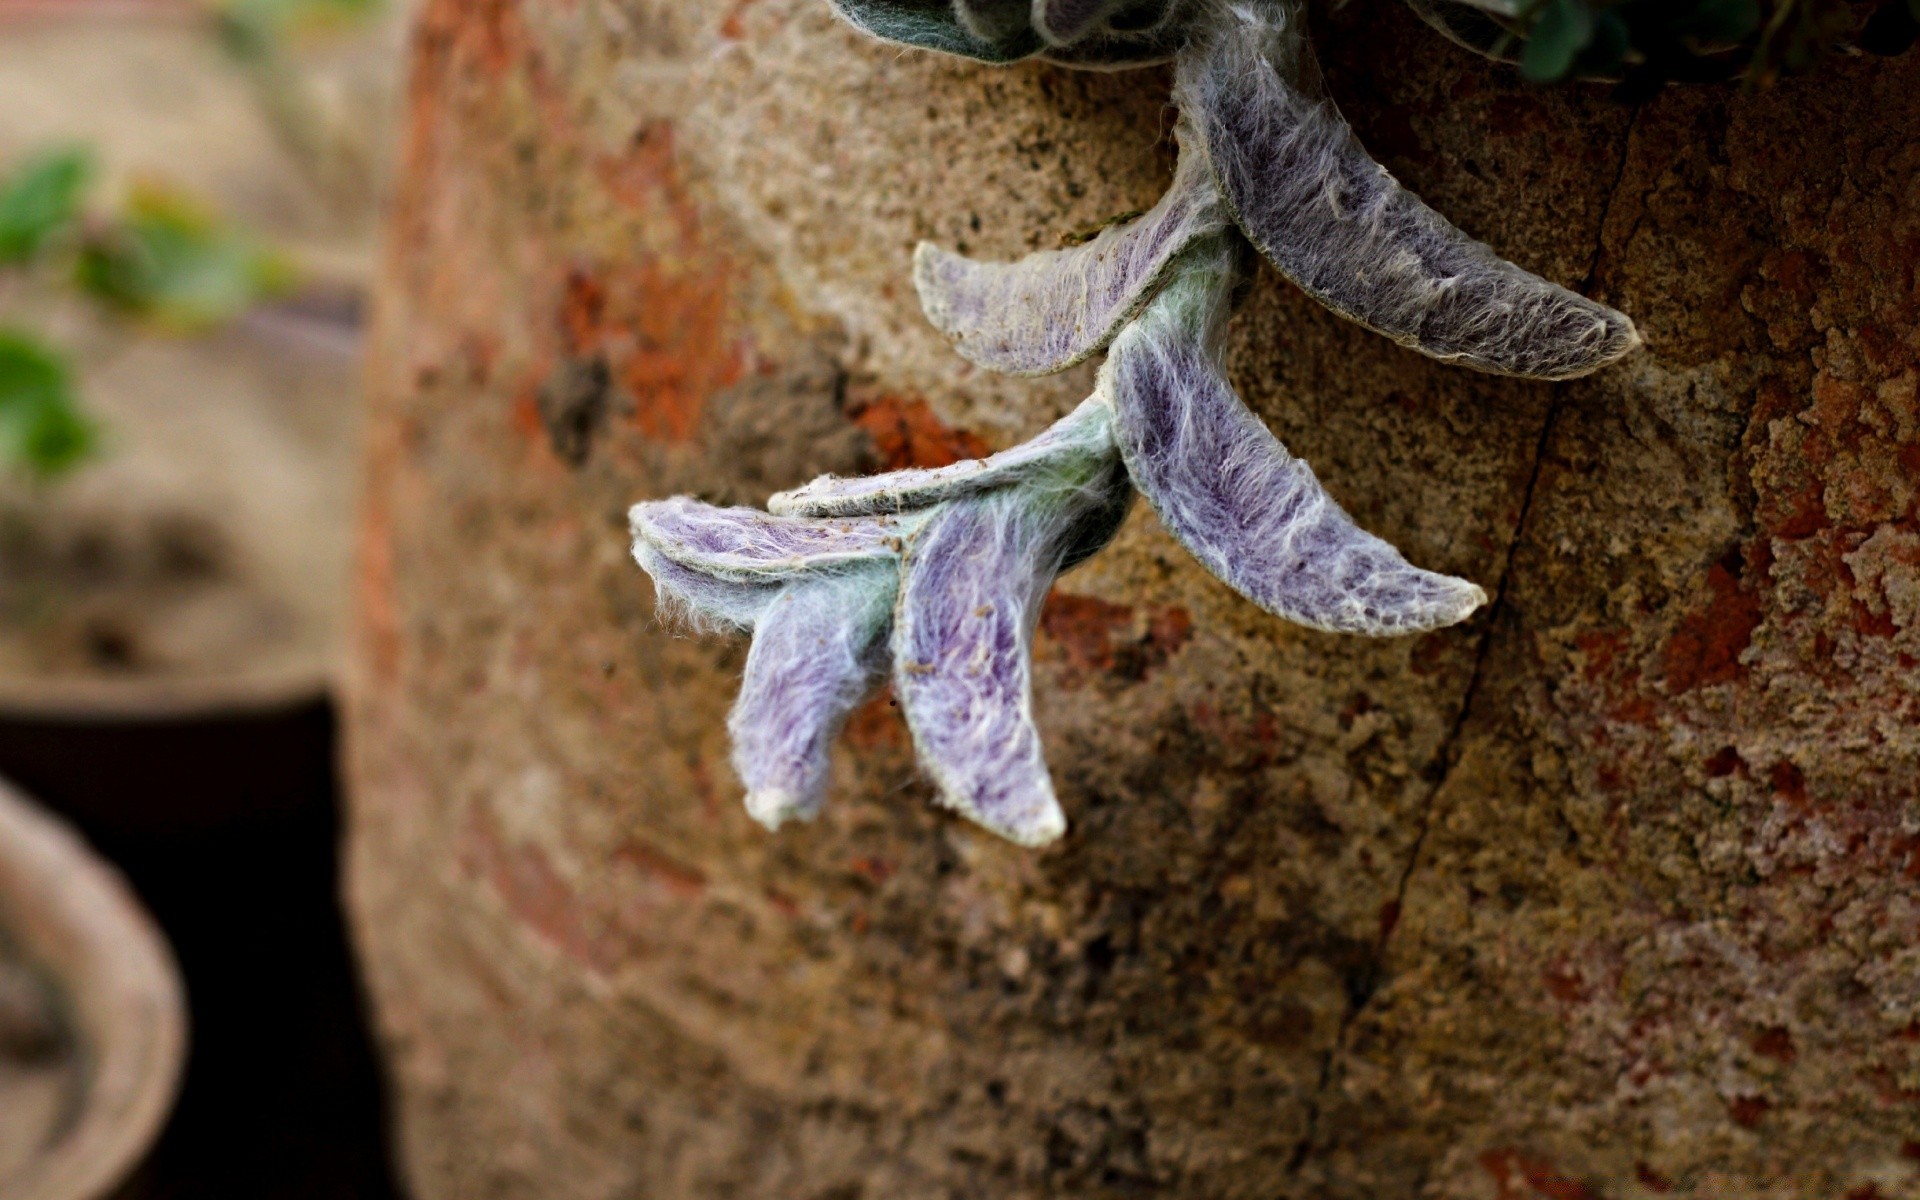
<point x="1607" y="49"/>
<point x="40" y="199"/>
<point x="174" y="263"/>
<point x="41" y="426"/>
<point x="256" y="28"/>
<point x="1720" y="22"/>
<point x="1559" y="34"/>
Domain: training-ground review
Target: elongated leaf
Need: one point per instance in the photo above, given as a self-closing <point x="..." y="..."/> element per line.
<point x="1056" y="308"/>
<point x="1068" y="448"/>
<point x="974" y="579"/>
<point x="1228" y="490"/>
<point x="962" y="646"/>
<point x="750" y="546"/>
<point x="817" y="650"/>
<point x="1335" y="222"/>
<point x="699" y="601"/>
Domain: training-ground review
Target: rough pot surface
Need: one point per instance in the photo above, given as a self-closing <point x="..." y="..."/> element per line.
<point x="1611" y="893"/>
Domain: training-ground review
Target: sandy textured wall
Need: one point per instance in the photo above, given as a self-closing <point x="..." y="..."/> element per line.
<point x="1613" y="893"/>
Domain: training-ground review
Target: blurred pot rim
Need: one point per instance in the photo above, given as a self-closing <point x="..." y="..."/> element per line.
<point x="95" y="10"/>
<point x="159" y="698"/>
<point x="74" y="915"/>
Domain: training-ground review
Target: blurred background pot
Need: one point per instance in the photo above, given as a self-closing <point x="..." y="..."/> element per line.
<point x="172" y="609"/>
<point x="93" y="1021"/>
<point x="196" y="562"/>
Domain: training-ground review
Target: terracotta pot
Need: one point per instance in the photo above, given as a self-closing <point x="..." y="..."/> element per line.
<point x="1612" y="892"/>
<point x="121" y="1010"/>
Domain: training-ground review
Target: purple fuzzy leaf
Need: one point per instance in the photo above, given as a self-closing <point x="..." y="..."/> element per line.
<point x="817" y="650"/>
<point x="1337" y="224"/>
<point x="1056" y="308"/>
<point x="1250" y="512"/>
<point x="750" y="546"/>
<point x="962" y="654"/>
<point x="1082" y="435"/>
<point x="698" y="600"/>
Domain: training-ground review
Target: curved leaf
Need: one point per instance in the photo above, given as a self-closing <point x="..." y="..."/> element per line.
<point x="974" y="580"/>
<point x="818" y="648"/>
<point x="700" y="601"/>
<point x="1134" y="36"/>
<point x="1066" y="449"/>
<point x="1337" y="224"/>
<point x="1056" y="308"/>
<point x="962" y="662"/>
<point x="749" y="546"/>
<point x="1231" y="494"/>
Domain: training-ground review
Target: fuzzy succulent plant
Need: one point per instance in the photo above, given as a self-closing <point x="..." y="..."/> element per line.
<point x="1648" y="42"/>
<point x="935" y="578"/>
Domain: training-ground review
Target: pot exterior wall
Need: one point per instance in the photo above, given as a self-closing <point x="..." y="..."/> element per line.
<point x="1613" y="892"/>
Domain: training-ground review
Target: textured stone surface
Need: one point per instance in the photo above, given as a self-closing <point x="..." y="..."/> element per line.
<point x="1612" y="893"/>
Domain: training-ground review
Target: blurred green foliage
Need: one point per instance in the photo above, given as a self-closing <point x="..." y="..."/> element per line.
<point x="41" y="426"/>
<point x="1654" y="41"/>
<point x="40" y="201"/>
<point x="256" y="29"/>
<point x="160" y="258"/>
<point x="173" y="262"/>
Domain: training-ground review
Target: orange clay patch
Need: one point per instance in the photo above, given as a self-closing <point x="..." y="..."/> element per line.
<point x="1088" y="636"/>
<point x="1706" y="648"/>
<point x="908" y="434"/>
<point x="664" y="318"/>
<point x="1523" y="1177"/>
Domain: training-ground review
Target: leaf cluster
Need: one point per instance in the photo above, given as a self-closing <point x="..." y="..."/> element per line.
<point x="1655" y="41"/>
<point x="41" y="425"/>
<point x="160" y="259"/>
<point x="176" y="264"/>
